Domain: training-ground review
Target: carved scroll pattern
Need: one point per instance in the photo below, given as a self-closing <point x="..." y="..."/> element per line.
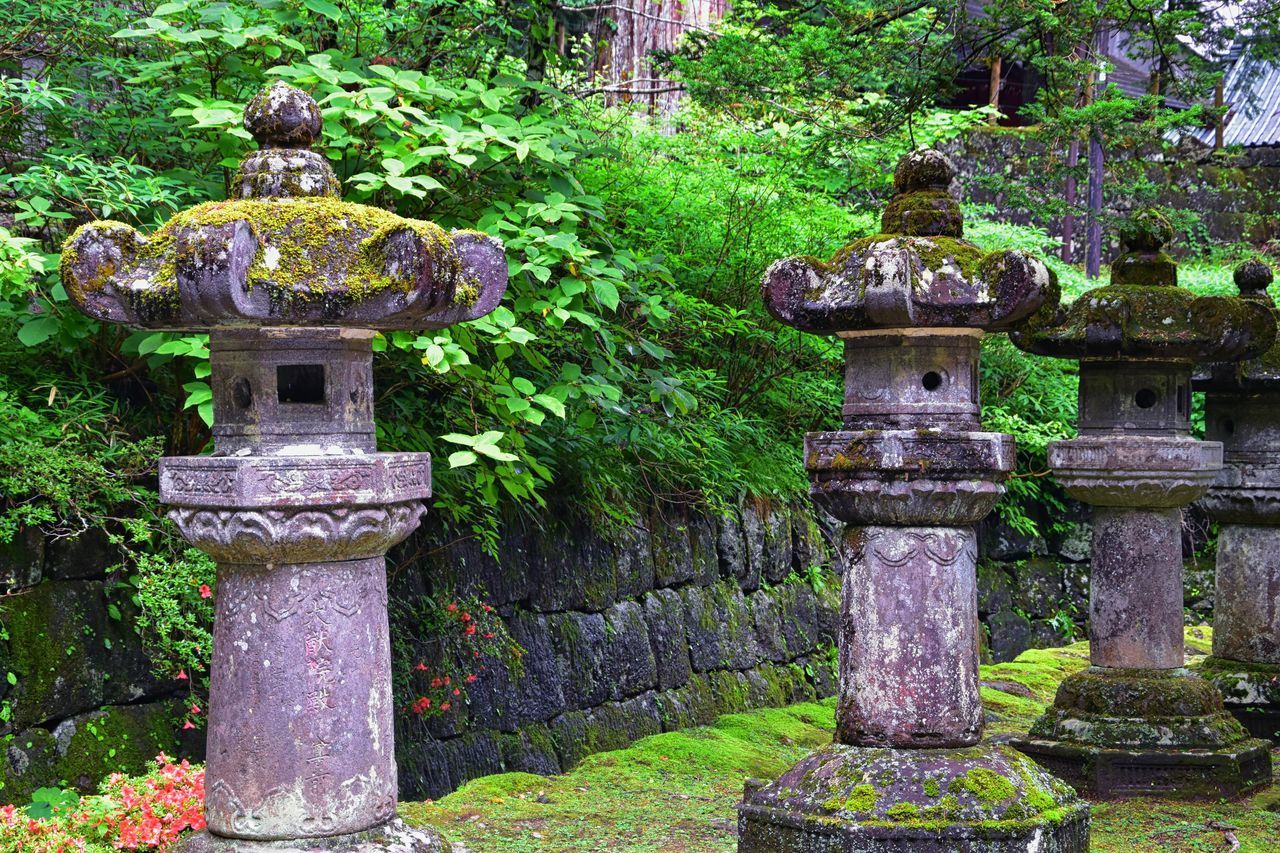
<point x="297" y="535"/>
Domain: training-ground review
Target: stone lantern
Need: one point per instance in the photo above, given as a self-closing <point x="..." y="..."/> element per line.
<point x="1136" y="721"/>
<point x="295" y="503"/>
<point x="1242" y="410"/>
<point x="910" y="475"/>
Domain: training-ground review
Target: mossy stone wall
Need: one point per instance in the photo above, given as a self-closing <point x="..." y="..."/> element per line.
<point x="79" y="694"/>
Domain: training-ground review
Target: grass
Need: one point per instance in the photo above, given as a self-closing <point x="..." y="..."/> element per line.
<point x="675" y="792"/>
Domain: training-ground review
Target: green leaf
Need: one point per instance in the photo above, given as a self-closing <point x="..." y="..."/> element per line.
<point x="495" y="453"/>
<point x="323" y="7"/>
<point x="37" y="331"/>
<point x="606" y="294"/>
<point x="461" y="459"/>
<point x="11" y="678"/>
<point x="551" y="404"/>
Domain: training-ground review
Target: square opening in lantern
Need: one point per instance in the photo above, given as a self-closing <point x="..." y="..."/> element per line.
<point x="300" y="383"/>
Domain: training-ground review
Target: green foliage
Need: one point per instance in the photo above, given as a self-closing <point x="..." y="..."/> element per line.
<point x="171" y="586"/>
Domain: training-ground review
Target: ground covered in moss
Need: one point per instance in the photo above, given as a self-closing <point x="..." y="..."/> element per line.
<point x="676" y="791"/>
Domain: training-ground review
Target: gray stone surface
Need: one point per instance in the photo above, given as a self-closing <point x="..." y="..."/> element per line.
<point x="1134" y="461"/>
<point x="296" y="505"/>
<point x="22" y="560"/>
<point x="910" y="475"/>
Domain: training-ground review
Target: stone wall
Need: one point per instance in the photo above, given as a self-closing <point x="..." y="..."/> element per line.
<point x="1237" y="195"/>
<point x="79" y="697"/>
<point x="666" y="623"/>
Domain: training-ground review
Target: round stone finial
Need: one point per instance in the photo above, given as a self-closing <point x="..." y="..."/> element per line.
<point x="1146" y="230"/>
<point x="922" y="170"/>
<point x="283" y="116"/>
<point x="1253" y="277"/>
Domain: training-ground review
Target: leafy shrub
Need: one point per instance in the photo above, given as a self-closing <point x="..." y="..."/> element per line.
<point x="452" y="641"/>
<point x="148" y="812"/>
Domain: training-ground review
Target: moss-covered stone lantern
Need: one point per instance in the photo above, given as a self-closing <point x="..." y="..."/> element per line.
<point x="295" y="503"/>
<point x="1242" y="410"/>
<point x="1136" y="721"/>
<point x="910" y="475"/>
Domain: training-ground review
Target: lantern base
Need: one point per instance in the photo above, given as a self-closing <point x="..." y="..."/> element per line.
<point x="849" y="799"/>
<point x="1187" y="774"/>
<point x="395" y="836"/>
<point x="1250" y="691"/>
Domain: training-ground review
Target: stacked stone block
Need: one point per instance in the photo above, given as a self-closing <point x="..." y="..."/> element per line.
<point x="726" y="624"/>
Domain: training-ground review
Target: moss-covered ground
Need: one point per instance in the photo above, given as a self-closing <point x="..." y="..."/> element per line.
<point x="676" y="791"/>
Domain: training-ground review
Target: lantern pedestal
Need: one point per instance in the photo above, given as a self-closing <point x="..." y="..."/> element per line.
<point x="907" y="771"/>
<point x="1250" y="691"/>
<point x="393" y="837"/>
<point x="850" y="799"/>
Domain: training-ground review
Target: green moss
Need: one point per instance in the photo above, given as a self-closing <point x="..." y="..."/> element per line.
<point x="931" y="788"/>
<point x="677" y="791"/>
<point x="861" y="800"/>
<point x="123" y="739"/>
<point x="945" y="810"/>
<point x="903" y="811"/>
<point x="923" y="212"/>
<point x="989" y="787"/>
<point x="45" y="650"/>
<point x="304" y="249"/>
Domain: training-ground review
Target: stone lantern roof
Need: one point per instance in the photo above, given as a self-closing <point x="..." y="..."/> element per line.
<point x="919" y="272"/>
<point x="1142" y="314"/>
<point x="1258" y="374"/>
<point x="284" y="251"/>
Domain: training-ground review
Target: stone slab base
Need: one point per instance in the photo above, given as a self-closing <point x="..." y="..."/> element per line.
<point x="1192" y="774"/>
<point x="1262" y="721"/>
<point x="772" y="834"/>
<point x="845" y="799"/>
<point x="393" y="837"/>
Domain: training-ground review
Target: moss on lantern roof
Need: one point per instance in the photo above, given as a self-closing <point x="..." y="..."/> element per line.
<point x="1143" y="313"/>
<point x="305" y="246"/>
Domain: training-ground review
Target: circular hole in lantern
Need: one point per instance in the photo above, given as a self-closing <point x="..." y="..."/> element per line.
<point x="1145" y="398"/>
<point x="242" y="393"/>
<point x="931" y="381"/>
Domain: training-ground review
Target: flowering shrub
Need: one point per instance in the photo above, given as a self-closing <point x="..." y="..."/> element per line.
<point x="454" y="642"/>
<point x="148" y="812"/>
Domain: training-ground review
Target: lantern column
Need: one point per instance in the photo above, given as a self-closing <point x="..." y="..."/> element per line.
<point x="910" y="475"/>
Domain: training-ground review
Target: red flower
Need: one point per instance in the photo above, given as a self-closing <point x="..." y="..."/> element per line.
<point x="182" y="675"/>
<point x="421" y="667"/>
<point x="205" y="592"/>
<point x="457" y="691"/>
<point x="435" y="682"/>
<point x="444" y="706"/>
<point x="195" y="709"/>
<point x="188" y="725"/>
<point x="465" y="617"/>
<point x="453" y="607"/>
<point x="471" y="629"/>
<point x="471" y="678"/>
